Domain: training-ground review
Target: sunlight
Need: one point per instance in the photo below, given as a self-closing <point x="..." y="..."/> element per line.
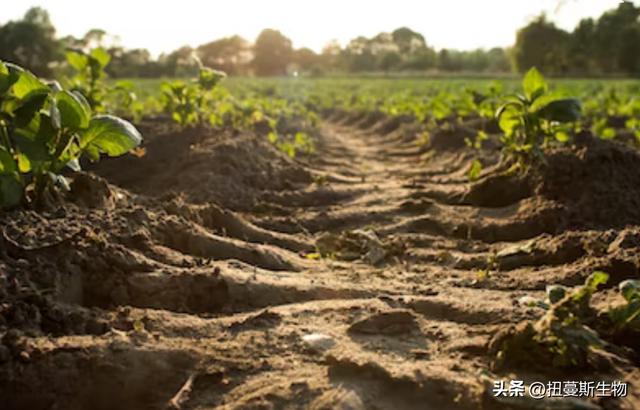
<point x="162" y="27"/>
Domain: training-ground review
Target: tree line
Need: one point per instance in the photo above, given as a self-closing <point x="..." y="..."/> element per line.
<point x="607" y="45"/>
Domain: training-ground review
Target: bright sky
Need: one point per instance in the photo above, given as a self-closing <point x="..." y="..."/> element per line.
<point x="166" y="25"/>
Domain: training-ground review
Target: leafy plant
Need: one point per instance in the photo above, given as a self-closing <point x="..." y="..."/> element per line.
<point x="124" y="101"/>
<point x="190" y="103"/>
<point x="90" y="74"/>
<point x="476" y="166"/>
<point x="475" y="170"/>
<point x="46" y="129"/>
<point x="291" y="145"/>
<point x="627" y="316"/>
<point x="562" y="337"/>
<point x="633" y="124"/>
<point x="531" y="119"/>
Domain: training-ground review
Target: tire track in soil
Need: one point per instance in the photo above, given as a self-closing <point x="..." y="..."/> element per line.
<point x="409" y="333"/>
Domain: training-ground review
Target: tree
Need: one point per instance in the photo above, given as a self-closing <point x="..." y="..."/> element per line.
<point x="581" y="50"/>
<point x="307" y="60"/>
<point x="408" y="41"/>
<point x="445" y="62"/>
<point x="272" y="53"/>
<point x="498" y="60"/>
<point x="421" y="60"/>
<point x="30" y="42"/>
<point x="543" y="45"/>
<point x="613" y="38"/>
<point x="229" y="54"/>
<point x="94" y="38"/>
<point x="128" y="63"/>
<point x="390" y="60"/>
<point x="629" y="49"/>
<point x="609" y="44"/>
<point x="179" y="62"/>
<point x="332" y="57"/>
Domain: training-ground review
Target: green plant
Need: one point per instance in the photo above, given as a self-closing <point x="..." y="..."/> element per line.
<point x="290" y="145"/>
<point x="124" y="101"/>
<point x="90" y="74"/>
<point x="532" y="119"/>
<point x="474" y="170"/>
<point x="563" y="337"/>
<point x="626" y="316"/>
<point x="190" y="103"/>
<point x="476" y="166"/>
<point x="633" y="125"/>
<point x="45" y="129"/>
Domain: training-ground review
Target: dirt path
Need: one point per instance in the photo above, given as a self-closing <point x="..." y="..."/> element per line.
<point x="228" y="310"/>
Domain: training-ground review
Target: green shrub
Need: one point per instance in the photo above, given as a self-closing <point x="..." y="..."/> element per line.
<point x="45" y="129"/>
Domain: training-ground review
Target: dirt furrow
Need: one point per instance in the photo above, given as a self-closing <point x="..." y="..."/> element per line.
<point x="368" y="275"/>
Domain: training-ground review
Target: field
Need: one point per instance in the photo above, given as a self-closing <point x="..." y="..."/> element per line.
<point x="349" y="243"/>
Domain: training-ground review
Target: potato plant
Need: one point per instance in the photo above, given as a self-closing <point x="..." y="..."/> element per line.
<point x="90" y="75"/>
<point x="291" y="145"/>
<point x="571" y="326"/>
<point x="124" y="101"/>
<point x="627" y="316"/>
<point x="531" y="119"/>
<point x="45" y="129"/>
<point x="190" y="104"/>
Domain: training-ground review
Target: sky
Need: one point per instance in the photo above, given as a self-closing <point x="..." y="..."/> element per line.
<point x="163" y="26"/>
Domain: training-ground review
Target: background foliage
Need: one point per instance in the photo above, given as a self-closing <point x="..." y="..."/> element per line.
<point x="609" y="45"/>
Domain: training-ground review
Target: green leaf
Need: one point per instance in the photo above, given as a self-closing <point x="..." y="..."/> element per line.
<point x="8" y="76"/>
<point x="565" y="110"/>
<point x="475" y="170"/>
<point x="28" y="83"/>
<point x="508" y="119"/>
<point x="313" y="256"/>
<point x="101" y="56"/>
<point x="555" y="293"/>
<point x="82" y="100"/>
<point x="10" y="185"/>
<point x="33" y="140"/>
<point x="92" y="152"/>
<point x="595" y="279"/>
<point x="56" y="120"/>
<point x="31" y="105"/>
<point x="24" y="164"/>
<point x="35" y="150"/>
<point x="74" y="115"/>
<point x="561" y="136"/>
<point x="534" y="84"/>
<point x="209" y="78"/>
<point x="10" y="191"/>
<point x="4" y="71"/>
<point x="630" y="289"/>
<point x="582" y="294"/>
<point x="77" y="59"/>
<point x="548" y="98"/>
<point x="7" y="164"/>
<point x="110" y="135"/>
<point x="608" y="133"/>
<point x="125" y="85"/>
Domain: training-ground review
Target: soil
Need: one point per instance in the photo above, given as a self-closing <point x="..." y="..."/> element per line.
<point x="216" y="272"/>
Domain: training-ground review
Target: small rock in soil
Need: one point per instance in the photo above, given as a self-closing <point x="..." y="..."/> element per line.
<point x="387" y="323"/>
<point x="318" y="342"/>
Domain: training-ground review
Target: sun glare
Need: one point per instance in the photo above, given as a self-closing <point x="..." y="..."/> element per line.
<point x="165" y="26"/>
